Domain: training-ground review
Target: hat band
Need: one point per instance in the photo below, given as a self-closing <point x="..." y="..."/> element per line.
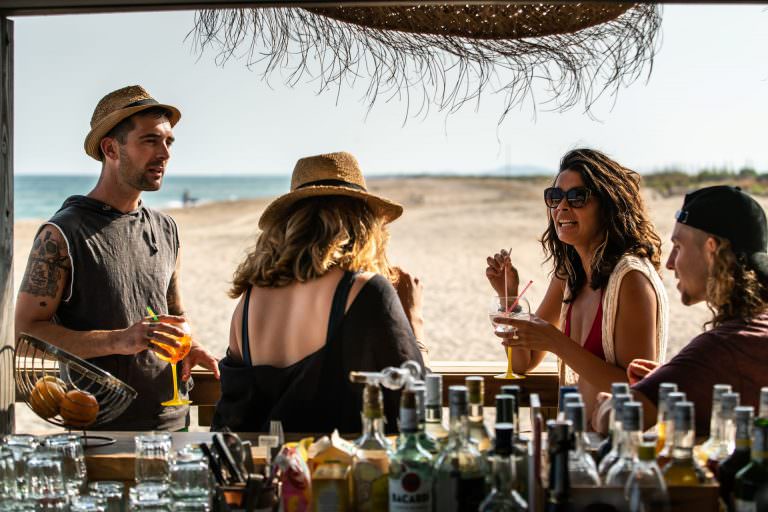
<point x="332" y="183"/>
<point x="149" y="101"/>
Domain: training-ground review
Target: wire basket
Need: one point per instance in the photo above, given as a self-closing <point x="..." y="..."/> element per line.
<point x="46" y="376"/>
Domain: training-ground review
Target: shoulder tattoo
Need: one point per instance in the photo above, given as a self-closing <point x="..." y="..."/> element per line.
<point x="48" y="263"/>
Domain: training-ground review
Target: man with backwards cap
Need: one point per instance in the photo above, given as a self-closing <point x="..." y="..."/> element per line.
<point x="719" y="256"/>
<point x="104" y="257"/>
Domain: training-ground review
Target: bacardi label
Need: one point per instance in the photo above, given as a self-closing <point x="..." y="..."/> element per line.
<point x="412" y="492"/>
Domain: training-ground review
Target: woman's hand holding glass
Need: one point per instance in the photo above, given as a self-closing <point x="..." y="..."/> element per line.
<point x="503" y="308"/>
<point x="531" y="333"/>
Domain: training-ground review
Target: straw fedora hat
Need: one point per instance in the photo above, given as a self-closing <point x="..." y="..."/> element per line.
<point x="333" y="174"/>
<point x="116" y="106"/>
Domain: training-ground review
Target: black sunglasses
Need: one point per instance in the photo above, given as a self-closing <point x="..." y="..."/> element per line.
<point x="577" y="197"/>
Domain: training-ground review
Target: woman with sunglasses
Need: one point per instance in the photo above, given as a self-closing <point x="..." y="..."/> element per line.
<point x="605" y="304"/>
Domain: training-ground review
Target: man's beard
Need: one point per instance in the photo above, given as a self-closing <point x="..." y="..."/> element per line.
<point x="135" y="176"/>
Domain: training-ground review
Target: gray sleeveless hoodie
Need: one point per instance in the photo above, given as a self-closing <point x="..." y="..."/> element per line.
<point x="122" y="263"/>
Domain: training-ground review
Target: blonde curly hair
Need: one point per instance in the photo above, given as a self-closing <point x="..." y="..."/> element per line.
<point x="316" y="235"/>
<point x="734" y="291"/>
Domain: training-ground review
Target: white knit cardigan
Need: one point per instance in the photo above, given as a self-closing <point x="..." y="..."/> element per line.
<point x="626" y="264"/>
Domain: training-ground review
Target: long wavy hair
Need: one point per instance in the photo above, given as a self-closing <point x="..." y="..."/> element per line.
<point x="316" y="235"/>
<point x="626" y="227"/>
<point x="734" y="291"/>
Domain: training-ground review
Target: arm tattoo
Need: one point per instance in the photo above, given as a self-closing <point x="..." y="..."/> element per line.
<point x="173" y="296"/>
<point x="47" y="265"/>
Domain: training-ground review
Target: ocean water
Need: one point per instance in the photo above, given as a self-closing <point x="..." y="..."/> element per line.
<point x="39" y="197"/>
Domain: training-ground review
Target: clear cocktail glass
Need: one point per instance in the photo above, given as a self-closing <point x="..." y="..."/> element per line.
<point x="508" y="307"/>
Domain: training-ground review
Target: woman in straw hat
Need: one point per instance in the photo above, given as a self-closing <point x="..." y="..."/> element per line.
<point x="605" y="304"/>
<point x="316" y="302"/>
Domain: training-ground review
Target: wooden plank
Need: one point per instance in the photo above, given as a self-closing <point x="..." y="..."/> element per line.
<point x="7" y="387"/>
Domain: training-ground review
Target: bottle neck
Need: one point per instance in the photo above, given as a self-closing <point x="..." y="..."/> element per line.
<point x="433" y="414"/>
<point x="373" y="429"/>
<point x="459" y="428"/>
<point x="630" y="441"/>
<point x="743" y="435"/>
<point x="559" y="489"/>
<point x="682" y="448"/>
<point x="476" y="412"/>
<point x="504" y="477"/>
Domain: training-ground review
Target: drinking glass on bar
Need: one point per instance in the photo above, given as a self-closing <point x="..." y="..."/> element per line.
<point x="153" y="452"/>
<point x="508" y="307"/>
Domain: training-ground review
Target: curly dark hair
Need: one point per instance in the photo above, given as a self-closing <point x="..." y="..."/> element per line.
<point x="734" y="291"/>
<point x="626" y="225"/>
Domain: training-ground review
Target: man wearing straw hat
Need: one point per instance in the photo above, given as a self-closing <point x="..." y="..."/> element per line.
<point x="103" y="258"/>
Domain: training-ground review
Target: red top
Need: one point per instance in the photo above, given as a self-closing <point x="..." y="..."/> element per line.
<point x="594" y="341"/>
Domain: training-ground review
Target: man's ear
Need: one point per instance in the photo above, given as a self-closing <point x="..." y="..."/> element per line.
<point x="108" y="146"/>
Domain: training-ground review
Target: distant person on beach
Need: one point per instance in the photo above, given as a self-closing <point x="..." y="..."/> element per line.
<point x="103" y="258"/>
<point x="187" y="199"/>
<point x="719" y="256"/>
<point x="605" y="304"/>
<point x="318" y="299"/>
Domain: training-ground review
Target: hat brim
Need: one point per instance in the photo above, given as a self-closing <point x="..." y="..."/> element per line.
<point x="279" y="207"/>
<point x="759" y="263"/>
<point x="93" y="139"/>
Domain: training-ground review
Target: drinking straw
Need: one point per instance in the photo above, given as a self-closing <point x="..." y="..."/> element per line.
<point x="152" y="313"/>
<point x="506" y="294"/>
<point x="519" y="296"/>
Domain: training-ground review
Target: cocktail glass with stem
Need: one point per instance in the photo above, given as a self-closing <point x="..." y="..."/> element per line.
<point x="176" y="355"/>
<point x="508" y="307"/>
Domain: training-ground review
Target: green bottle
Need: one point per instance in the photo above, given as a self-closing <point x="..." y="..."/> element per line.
<point x="752" y="478"/>
<point x="410" y="468"/>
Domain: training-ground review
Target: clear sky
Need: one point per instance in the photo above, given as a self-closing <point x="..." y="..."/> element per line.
<point x="706" y="104"/>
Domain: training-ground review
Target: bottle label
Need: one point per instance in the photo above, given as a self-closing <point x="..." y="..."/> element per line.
<point x="745" y="506"/>
<point x="412" y="492"/>
<point x="371" y="485"/>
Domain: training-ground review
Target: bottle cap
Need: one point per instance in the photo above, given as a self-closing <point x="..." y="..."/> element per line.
<point x="457" y="399"/>
<point x="718" y="390"/>
<point x="619" y="388"/>
<point x="514" y="390"/>
<point x="683" y="415"/>
<point x="673" y="398"/>
<point x="502" y="444"/>
<point x="420" y="391"/>
<point x="618" y="404"/>
<point x="476" y="389"/>
<point x="505" y="409"/>
<point x="744" y="412"/>
<point x="434" y="384"/>
<point x="559" y="436"/>
<point x="408" y="411"/>
<point x="728" y="403"/>
<point x="665" y="388"/>
<point x="571" y="398"/>
<point x="574" y="412"/>
<point x="632" y="416"/>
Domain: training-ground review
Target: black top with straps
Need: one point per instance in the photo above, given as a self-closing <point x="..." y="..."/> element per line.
<point x="314" y="394"/>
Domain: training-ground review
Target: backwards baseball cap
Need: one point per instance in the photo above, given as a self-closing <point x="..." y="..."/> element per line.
<point x="730" y="213"/>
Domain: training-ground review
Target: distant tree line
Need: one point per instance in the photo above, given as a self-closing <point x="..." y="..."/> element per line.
<point x="674" y="182"/>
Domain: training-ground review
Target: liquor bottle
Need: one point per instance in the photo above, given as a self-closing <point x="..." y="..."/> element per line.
<point x="665" y="388"/>
<point x="428" y="442"/>
<point x="478" y="432"/>
<point x="631" y="435"/>
<point x="460" y="469"/>
<point x="617" y="428"/>
<point x="665" y="455"/>
<point x="434" y="407"/>
<point x="702" y="452"/>
<point x="411" y="471"/>
<point x="754" y="475"/>
<point x="725" y="437"/>
<point x="617" y="388"/>
<point x="763" y="410"/>
<point x="681" y="470"/>
<point x="514" y="390"/>
<point x="505" y="414"/>
<point x="564" y="390"/>
<point x="582" y="469"/>
<point x="559" y="443"/>
<point x="370" y="464"/>
<point x="503" y="496"/>
<point x="740" y="457"/>
<point x="646" y="489"/>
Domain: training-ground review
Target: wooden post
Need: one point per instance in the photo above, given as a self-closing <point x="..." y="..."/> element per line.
<point x="7" y="387"/>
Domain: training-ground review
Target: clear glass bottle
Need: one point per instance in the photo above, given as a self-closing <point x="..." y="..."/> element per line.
<point x="665" y="455"/>
<point x="559" y="444"/>
<point x="702" y="452"/>
<point x="617" y="388"/>
<point x="411" y="471"/>
<point x="632" y="431"/>
<point x="503" y="496"/>
<point x="582" y="468"/>
<point x="662" y="414"/>
<point x="763" y="410"/>
<point x="478" y="432"/>
<point x="754" y="476"/>
<point x="505" y="413"/>
<point x="434" y="407"/>
<point x="428" y="442"/>
<point x="371" y="461"/>
<point x="725" y="438"/>
<point x="681" y="470"/>
<point x="741" y="456"/>
<point x="610" y="459"/>
<point x="646" y="489"/>
<point x="460" y="469"/>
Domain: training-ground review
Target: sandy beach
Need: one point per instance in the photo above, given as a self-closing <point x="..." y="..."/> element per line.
<point x="450" y="225"/>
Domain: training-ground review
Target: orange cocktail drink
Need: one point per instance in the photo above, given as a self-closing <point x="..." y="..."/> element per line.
<point x="176" y="354"/>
